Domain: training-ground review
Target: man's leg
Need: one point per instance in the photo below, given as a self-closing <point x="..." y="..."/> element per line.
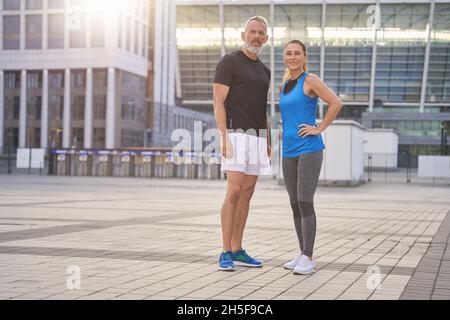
<point x="241" y="213"/>
<point x="235" y="183"/>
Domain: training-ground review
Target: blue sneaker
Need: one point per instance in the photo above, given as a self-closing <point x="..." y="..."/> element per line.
<point x="241" y="258"/>
<point x="226" y="261"/>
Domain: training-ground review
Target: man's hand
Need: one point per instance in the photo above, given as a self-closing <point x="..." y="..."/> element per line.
<point x="226" y="147"/>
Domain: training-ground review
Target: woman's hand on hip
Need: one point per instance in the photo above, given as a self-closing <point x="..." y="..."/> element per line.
<point x="307" y="130"/>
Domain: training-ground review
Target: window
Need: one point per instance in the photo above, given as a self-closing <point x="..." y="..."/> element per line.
<point x="99" y="138"/>
<point x="34" y="105"/>
<point x="11" y="32"/>
<point x="12" y="107"/>
<point x="100" y="78"/>
<point x="56" y="31"/>
<point x="56" y="107"/>
<point x="78" y="79"/>
<point x="131" y="138"/>
<point x="12" y="80"/>
<point x="11" y="5"/>
<point x="34" y="80"/>
<point x="78" y="30"/>
<point x="34" y="32"/>
<point x="78" y="137"/>
<point x="98" y="30"/>
<point x="55" y="4"/>
<point x="56" y="80"/>
<point x="34" y="4"/>
<point x="100" y="107"/>
<point x="78" y="108"/>
<point x="129" y="34"/>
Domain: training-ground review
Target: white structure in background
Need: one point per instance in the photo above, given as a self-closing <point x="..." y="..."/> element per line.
<point x="380" y="149"/>
<point x="30" y="158"/>
<point x="343" y="161"/>
<point x="434" y="167"/>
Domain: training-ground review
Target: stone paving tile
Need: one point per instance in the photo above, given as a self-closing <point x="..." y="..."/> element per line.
<point x="160" y="239"/>
<point x="431" y="279"/>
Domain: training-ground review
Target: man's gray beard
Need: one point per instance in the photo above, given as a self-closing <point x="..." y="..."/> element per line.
<point x="254" y="50"/>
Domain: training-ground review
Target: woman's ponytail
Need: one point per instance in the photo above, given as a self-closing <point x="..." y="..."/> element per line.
<point x="287" y="75"/>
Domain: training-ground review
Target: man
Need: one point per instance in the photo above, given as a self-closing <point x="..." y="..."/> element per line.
<point x="240" y="89"/>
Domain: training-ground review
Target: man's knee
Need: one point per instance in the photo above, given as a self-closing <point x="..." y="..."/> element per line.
<point x="234" y="193"/>
<point x="247" y="194"/>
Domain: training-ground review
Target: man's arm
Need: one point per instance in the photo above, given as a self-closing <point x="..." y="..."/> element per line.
<point x="220" y="93"/>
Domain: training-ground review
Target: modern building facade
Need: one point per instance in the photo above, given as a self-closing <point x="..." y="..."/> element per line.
<point x="389" y="61"/>
<point x="73" y="73"/>
<point x="88" y="74"/>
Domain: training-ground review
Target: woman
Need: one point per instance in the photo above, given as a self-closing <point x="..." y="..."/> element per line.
<point x="303" y="145"/>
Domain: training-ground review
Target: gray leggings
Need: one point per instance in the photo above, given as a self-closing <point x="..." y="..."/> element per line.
<point x="301" y="175"/>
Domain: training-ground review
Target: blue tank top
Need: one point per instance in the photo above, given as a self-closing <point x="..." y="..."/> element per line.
<point x="296" y="108"/>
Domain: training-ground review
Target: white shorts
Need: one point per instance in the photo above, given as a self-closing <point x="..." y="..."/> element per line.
<point x="249" y="155"/>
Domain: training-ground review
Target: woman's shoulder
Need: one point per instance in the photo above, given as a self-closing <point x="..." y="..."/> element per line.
<point x="312" y="80"/>
<point x="311" y="77"/>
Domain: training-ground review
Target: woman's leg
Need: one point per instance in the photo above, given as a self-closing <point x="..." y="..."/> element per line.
<point x="290" y="175"/>
<point x="309" y="166"/>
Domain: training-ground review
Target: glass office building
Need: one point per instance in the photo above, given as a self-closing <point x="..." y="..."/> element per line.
<point x="89" y="74"/>
<point x="73" y="73"/>
<point x="389" y="61"/>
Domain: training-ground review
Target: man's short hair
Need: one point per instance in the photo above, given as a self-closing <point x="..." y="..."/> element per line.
<point x="256" y="18"/>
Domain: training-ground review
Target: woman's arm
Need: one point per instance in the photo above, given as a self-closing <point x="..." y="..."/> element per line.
<point x="320" y="89"/>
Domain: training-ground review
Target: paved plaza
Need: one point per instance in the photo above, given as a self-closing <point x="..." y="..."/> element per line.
<point x="125" y="238"/>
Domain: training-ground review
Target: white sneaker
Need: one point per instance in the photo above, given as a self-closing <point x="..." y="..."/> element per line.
<point x="293" y="263"/>
<point x="304" y="266"/>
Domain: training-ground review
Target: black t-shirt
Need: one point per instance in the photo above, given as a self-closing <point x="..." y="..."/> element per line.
<point x="248" y="80"/>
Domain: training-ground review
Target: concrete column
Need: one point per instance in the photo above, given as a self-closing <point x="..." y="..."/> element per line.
<point x="66" y="112"/>
<point x="322" y="53"/>
<point x="44" y="114"/>
<point x="272" y="64"/>
<point x="88" y="114"/>
<point x="23" y="110"/>
<point x="172" y="46"/>
<point x="110" y="109"/>
<point x="222" y="29"/>
<point x="165" y="57"/>
<point x="423" y="93"/>
<point x="133" y="30"/>
<point x="2" y="112"/>
<point x="140" y="31"/>
<point x="179" y="92"/>
<point x="158" y="52"/>
<point x="124" y="29"/>
<point x="373" y="68"/>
